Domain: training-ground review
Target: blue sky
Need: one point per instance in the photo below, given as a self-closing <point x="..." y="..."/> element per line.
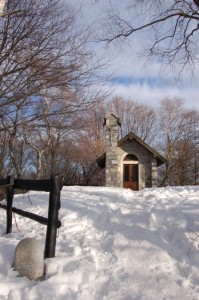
<point x="150" y="81"/>
<point x="132" y="78"/>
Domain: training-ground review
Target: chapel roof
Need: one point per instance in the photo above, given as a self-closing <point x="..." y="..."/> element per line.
<point x="101" y="161"/>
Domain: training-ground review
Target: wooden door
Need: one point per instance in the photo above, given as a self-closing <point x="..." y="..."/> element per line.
<point x="130" y="176"/>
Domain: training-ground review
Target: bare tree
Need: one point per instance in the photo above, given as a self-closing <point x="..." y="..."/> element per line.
<point x="2" y="10"/>
<point x="172" y="26"/>
<point x="37" y="140"/>
<point x="43" y="48"/>
<point x="47" y="73"/>
<point x="15" y="156"/>
<point x="90" y="142"/>
<point x="178" y="142"/>
<point x="4" y="142"/>
<point x="135" y="117"/>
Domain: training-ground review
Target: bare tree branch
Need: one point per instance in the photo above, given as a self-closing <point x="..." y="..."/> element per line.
<point x="173" y="27"/>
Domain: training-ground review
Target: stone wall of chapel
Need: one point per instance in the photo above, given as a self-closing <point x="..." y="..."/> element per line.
<point x="148" y="164"/>
<point x="112" y="173"/>
<point x="115" y="156"/>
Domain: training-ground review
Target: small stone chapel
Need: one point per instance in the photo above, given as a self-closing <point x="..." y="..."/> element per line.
<point x="128" y="162"/>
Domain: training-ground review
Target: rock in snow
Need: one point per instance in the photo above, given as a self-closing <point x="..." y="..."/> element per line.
<point x="29" y="259"/>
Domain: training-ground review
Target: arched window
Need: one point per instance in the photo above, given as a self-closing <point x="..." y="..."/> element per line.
<point x="130" y="157"/>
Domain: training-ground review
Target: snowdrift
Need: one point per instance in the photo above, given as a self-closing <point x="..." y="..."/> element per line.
<point x="113" y="244"/>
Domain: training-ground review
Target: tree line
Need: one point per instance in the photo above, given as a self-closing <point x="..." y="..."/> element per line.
<point x="172" y="129"/>
<point x="45" y="146"/>
<point x="48" y="76"/>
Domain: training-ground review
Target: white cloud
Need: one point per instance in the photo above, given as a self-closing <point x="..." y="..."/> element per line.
<point x="153" y="95"/>
<point x="126" y="62"/>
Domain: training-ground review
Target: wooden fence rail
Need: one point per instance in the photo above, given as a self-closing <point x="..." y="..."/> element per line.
<point x="53" y="186"/>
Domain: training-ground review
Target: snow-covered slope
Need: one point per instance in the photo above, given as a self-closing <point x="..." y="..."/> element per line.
<point x="113" y="244"/>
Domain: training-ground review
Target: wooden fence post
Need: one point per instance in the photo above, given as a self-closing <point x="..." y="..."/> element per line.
<point x="54" y="206"/>
<point x="9" y="196"/>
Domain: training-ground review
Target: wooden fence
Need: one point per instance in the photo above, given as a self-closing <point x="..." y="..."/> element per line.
<point x="53" y="186"/>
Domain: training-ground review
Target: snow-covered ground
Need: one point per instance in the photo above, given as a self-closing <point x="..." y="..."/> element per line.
<point x="113" y="244"/>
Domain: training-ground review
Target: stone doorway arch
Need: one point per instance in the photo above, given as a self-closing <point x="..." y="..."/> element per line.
<point x="130" y="168"/>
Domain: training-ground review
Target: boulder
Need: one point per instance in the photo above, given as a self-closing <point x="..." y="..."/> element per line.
<point x="29" y="259"/>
